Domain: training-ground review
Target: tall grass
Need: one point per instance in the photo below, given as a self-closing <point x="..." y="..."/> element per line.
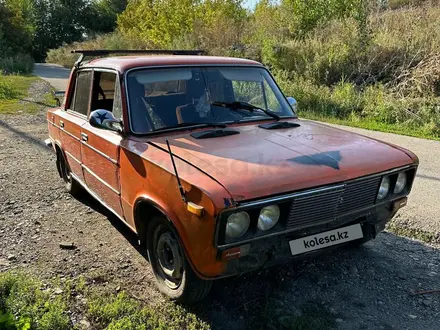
<point x="22" y="64"/>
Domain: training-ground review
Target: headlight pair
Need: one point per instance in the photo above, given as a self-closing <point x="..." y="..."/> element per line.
<point x="385" y="184"/>
<point x="238" y="223"/>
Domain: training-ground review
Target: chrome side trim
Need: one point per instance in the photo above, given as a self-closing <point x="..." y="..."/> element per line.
<point x="100" y="153"/>
<point x="70" y="134"/>
<point x="100" y="180"/>
<point x="70" y="155"/>
<point x="102" y="202"/>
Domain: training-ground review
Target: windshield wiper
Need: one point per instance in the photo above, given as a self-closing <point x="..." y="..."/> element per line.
<point x="237" y="105"/>
<point x="193" y="125"/>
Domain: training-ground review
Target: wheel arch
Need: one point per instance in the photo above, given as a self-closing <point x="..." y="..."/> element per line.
<point x="144" y="210"/>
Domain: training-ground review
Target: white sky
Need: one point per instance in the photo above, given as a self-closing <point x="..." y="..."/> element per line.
<point x="250" y="3"/>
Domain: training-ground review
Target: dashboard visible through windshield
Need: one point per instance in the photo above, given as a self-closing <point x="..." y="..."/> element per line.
<point x="175" y="97"/>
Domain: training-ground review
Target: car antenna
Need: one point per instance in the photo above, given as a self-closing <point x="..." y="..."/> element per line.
<point x="182" y="192"/>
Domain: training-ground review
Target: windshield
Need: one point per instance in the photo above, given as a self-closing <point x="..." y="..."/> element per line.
<point x="173" y="97"/>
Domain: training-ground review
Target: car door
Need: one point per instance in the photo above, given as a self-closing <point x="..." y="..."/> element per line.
<point x="72" y="119"/>
<point x="100" y="148"/>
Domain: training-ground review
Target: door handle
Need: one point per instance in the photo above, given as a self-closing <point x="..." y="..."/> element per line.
<point x="84" y="137"/>
<point x="61" y="124"/>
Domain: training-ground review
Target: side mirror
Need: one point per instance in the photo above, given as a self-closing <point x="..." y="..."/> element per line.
<point x="58" y="96"/>
<point x="104" y="119"/>
<point x="292" y="102"/>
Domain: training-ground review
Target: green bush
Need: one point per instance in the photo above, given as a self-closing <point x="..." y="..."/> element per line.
<point x="17" y="64"/>
<point x="7" y="90"/>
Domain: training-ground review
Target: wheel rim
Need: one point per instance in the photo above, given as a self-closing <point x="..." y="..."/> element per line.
<point x="169" y="258"/>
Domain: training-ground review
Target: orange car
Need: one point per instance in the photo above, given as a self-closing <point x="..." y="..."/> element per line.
<point x="206" y="160"/>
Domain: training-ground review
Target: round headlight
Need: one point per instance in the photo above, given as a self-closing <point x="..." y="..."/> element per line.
<point x="237" y="224"/>
<point x="384" y="188"/>
<point x="268" y="218"/>
<point x="400" y="183"/>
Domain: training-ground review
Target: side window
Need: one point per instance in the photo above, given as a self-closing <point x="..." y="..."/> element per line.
<point x="82" y="92"/>
<point x="103" y="92"/>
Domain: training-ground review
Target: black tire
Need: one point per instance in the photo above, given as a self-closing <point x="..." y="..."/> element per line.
<point x="175" y="277"/>
<point x="72" y="187"/>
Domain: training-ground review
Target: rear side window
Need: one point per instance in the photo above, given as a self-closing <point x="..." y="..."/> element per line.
<point x="82" y="92"/>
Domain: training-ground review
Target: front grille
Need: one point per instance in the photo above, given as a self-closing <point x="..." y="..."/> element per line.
<point x="327" y="206"/>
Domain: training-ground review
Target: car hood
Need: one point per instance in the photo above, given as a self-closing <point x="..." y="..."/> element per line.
<point x="259" y="162"/>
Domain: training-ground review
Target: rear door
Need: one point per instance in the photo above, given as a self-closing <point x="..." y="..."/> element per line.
<point x="71" y="120"/>
<point x="99" y="147"/>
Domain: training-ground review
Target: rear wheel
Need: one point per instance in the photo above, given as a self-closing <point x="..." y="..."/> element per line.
<point x="174" y="275"/>
<point x="71" y="185"/>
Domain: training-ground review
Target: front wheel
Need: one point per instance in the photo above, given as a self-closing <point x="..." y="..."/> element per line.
<point x="174" y="275"/>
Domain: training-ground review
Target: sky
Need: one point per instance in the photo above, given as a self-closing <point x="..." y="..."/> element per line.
<point x="250" y="4"/>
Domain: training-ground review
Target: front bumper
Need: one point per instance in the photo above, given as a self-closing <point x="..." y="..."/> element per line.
<point x="274" y="250"/>
<point x="48" y="143"/>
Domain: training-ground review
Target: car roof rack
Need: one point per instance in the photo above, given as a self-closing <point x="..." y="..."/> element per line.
<point x="104" y="52"/>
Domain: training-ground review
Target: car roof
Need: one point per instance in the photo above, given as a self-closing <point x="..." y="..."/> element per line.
<point x="124" y="63"/>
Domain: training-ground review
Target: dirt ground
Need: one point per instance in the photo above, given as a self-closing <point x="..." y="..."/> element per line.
<point x="378" y="286"/>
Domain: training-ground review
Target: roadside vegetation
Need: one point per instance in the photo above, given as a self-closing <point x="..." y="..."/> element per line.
<point x="372" y="64"/>
<point x="27" y="303"/>
<point x="14" y="94"/>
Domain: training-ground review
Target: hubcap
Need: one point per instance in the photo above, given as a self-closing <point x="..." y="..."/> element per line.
<point x="170" y="259"/>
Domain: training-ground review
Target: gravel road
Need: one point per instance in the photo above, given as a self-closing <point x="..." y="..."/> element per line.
<point x="379" y="286"/>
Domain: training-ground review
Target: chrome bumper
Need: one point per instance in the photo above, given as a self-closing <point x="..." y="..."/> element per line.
<point x="48" y="143"/>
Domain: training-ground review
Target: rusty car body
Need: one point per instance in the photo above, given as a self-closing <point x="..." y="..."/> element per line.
<point x="204" y="158"/>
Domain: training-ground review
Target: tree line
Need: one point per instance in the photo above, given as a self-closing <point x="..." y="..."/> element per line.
<point x="35" y="26"/>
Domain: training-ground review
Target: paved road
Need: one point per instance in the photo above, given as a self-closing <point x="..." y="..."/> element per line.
<point x="423" y="210"/>
<point x="55" y="74"/>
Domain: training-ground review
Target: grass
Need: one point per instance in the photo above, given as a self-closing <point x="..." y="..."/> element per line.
<point x="27" y="303"/>
<point x="372" y="125"/>
<point x="13" y="92"/>
<point x="413" y="233"/>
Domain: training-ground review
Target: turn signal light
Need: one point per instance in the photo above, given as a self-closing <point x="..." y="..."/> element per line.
<point x="236" y="252"/>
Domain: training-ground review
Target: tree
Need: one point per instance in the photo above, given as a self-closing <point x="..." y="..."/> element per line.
<point x="16" y="27"/>
<point x="158" y="22"/>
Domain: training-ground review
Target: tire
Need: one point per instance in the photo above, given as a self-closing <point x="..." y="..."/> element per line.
<point x="72" y="187"/>
<point x="174" y="275"/>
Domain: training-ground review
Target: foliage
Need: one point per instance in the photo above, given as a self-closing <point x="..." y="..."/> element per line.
<point x="157" y="22"/>
<point x="63" y="55"/>
<point x="34" y="26"/>
<point x="16" y="64"/>
<point x="16" y="27"/>
<point x="25" y="303"/>
<point x="351" y="60"/>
